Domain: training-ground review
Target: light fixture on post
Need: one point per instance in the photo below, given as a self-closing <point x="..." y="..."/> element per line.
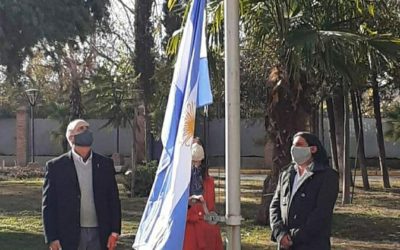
<point x="32" y="95"/>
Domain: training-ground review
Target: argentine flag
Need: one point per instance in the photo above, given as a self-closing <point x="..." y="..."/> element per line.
<point x="163" y="222"/>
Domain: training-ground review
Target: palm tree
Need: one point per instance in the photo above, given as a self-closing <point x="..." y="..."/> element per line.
<point x="318" y="46"/>
<point x="317" y="41"/>
<point x="60" y="112"/>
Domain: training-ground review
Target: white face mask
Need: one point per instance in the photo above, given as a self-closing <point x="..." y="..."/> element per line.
<point x="300" y="155"/>
<point x="196" y="163"/>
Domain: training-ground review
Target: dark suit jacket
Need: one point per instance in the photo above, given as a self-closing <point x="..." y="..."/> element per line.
<point x="308" y="217"/>
<point x="61" y="200"/>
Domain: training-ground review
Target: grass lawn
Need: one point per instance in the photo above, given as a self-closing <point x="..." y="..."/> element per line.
<point x="371" y="222"/>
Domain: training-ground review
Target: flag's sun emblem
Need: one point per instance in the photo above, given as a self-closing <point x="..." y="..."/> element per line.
<point x="188" y="128"/>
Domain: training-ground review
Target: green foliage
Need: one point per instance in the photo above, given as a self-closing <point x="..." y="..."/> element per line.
<point x="144" y="178"/>
<point x="253" y="70"/>
<point x="9" y="97"/>
<point x="162" y="81"/>
<point x="393" y="123"/>
<point x="164" y="67"/>
<point x="26" y="22"/>
<point x="171" y="22"/>
<point x="253" y="64"/>
<point x="59" y="112"/>
<point x="112" y="92"/>
<point x="323" y="39"/>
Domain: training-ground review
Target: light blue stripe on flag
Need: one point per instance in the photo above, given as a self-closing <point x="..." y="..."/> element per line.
<point x="163" y="222"/>
<point x="204" y="96"/>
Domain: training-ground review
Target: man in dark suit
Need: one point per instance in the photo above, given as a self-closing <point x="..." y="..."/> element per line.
<point x="81" y="207"/>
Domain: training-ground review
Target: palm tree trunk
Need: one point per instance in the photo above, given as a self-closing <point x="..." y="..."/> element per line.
<point x="359" y="140"/>
<point x="321" y="121"/>
<point x="281" y="157"/>
<point x="332" y="133"/>
<point x="379" y="132"/>
<point x="340" y="127"/>
<point x="283" y="120"/>
<point x="347" y="180"/>
<point x="315" y="122"/>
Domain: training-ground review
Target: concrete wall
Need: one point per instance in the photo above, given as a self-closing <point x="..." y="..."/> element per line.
<point x="104" y="142"/>
<point x="7" y="136"/>
<point x="46" y="147"/>
<point x="212" y="132"/>
<point x="253" y="139"/>
<point x="371" y="145"/>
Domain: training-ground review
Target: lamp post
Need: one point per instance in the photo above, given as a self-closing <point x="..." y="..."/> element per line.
<point x="32" y="95"/>
<point x="118" y="93"/>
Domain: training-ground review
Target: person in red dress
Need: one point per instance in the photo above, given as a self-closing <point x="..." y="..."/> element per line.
<point x="199" y="234"/>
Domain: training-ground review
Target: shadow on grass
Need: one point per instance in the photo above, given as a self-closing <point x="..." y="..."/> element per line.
<point x="126" y="242"/>
<point x="254" y="187"/>
<point x="362" y="227"/>
<point x="133" y="206"/>
<point x="248" y="246"/>
<point x="20" y="202"/>
<point x="395" y="190"/>
<point x="248" y="209"/>
<point x="389" y="198"/>
<point x="21" y="241"/>
<point x="384" y="202"/>
<point x="16" y="197"/>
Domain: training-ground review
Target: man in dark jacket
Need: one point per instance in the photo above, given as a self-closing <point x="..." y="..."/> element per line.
<point x="81" y="207"/>
<point x="302" y="207"/>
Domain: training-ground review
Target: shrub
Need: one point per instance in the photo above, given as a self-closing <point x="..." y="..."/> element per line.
<point x="34" y="171"/>
<point x="144" y="178"/>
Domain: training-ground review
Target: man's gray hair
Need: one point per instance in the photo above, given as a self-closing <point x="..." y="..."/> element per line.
<point x="72" y="127"/>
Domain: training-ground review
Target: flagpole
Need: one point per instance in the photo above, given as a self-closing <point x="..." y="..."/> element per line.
<point x="232" y="123"/>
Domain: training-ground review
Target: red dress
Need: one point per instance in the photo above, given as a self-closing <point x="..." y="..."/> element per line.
<point x="199" y="234"/>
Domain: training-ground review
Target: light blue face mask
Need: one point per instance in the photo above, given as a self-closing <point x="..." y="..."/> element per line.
<point x="300" y="155"/>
